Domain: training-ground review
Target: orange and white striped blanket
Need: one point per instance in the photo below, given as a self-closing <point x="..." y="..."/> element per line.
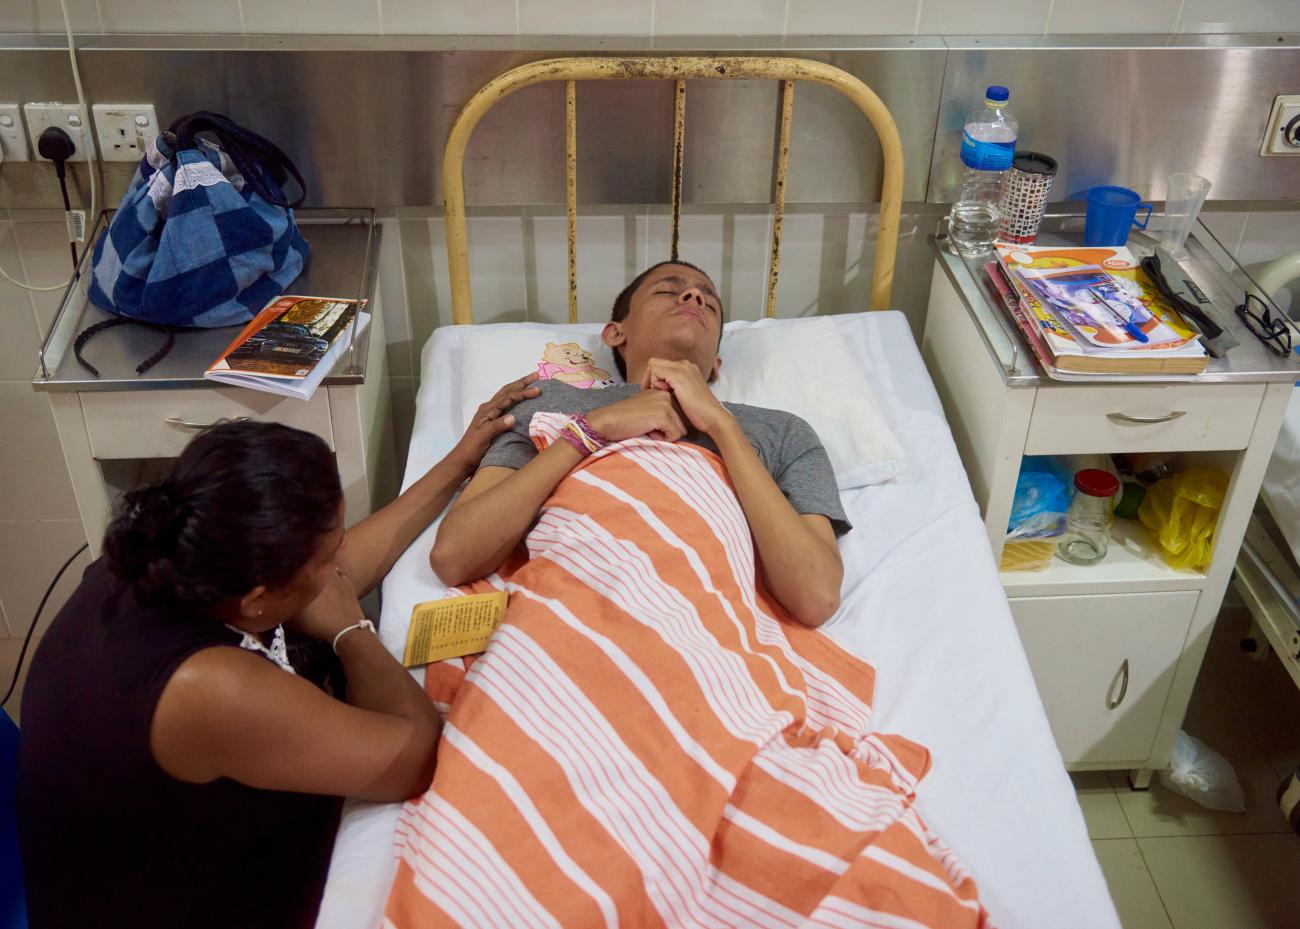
<point x="650" y="740"/>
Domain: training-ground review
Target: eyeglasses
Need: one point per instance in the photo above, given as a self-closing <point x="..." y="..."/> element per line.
<point x="1272" y="331"/>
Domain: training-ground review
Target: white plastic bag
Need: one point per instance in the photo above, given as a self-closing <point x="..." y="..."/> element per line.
<point x="1203" y="776"/>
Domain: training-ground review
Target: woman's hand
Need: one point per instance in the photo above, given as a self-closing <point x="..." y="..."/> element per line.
<point x="334" y="609"/>
<point x="372" y="546"/>
<point x="490" y="420"/>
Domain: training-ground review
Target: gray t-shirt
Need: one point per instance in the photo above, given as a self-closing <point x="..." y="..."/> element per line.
<point x="787" y="445"/>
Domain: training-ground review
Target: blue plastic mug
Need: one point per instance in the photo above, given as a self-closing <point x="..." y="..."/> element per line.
<point x="1112" y="212"/>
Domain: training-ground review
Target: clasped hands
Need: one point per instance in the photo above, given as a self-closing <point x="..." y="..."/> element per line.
<point x="674" y="399"/>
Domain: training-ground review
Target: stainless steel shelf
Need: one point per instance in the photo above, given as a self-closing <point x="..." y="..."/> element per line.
<point x="344" y="249"/>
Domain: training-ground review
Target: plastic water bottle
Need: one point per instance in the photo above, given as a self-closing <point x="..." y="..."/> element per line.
<point x="988" y="143"/>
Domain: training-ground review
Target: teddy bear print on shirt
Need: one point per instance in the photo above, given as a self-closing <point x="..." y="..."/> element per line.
<point x="571" y="363"/>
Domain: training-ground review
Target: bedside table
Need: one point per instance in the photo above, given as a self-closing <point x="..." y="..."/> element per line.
<point x="110" y="427"/>
<point x="1115" y="647"/>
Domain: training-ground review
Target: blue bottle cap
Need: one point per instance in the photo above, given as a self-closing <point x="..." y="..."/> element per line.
<point x="997" y="93"/>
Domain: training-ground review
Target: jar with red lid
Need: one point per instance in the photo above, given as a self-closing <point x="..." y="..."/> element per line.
<point x="1087" y="529"/>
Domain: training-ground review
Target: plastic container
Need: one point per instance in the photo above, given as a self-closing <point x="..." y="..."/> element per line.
<point x="1183" y="201"/>
<point x="1112" y="214"/>
<point x="988" y="143"/>
<point x="1130" y="500"/>
<point x="1087" y="530"/>
<point x="1024" y="197"/>
<point x="1149" y="467"/>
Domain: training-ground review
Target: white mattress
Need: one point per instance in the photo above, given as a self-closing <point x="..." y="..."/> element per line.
<point x="1281" y="487"/>
<point x="922" y="603"/>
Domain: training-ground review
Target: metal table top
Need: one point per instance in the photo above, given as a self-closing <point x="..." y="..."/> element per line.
<point x="1208" y="264"/>
<point x="344" y="251"/>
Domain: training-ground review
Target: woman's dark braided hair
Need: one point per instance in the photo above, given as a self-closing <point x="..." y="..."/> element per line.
<point x="246" y="505"/>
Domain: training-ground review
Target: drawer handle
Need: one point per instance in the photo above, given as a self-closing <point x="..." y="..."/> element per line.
<point x="1124" y="419"/>
<point x="1122" y="676"/>
<point x="185" y="424"/>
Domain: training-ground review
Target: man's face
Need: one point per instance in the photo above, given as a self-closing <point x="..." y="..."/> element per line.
<point x="675" y="314"/>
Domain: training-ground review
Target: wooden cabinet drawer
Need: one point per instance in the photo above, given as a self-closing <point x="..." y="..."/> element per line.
<point x="135" y="423"/>
<point x="1104" y="666"/>
<point x="1166" y="417"/>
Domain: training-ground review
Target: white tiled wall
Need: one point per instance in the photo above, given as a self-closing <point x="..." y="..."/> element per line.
<point x="39" y="526"/>
<point x="452" y="17"/>
<point x="853" y="17"/>
<point x="1257" y="237"/>
<point x="582" y="17"/>
<point x="656" y="17"/>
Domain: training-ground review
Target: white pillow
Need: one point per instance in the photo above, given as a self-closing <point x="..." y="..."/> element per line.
<point x="802" y="366"/>
<point x="796" y="365"/>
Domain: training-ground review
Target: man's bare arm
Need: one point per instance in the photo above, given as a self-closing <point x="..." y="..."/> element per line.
<point x="798" y="555"/>
<point x="494" y="512"/>
<point x="372" y="546"/>
<point x="800" y="561"/>
<point x="500" y="505"/>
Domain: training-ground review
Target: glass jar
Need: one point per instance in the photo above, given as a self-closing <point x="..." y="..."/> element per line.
<point x="1087" y="524"/>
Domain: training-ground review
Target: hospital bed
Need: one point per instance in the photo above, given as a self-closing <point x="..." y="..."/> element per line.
<point x="921" y="596"/>
<point x="1268" y="569"/>
<point x="1267" y="574"/>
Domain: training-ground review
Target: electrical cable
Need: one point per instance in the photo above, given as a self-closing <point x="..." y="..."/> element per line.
<point x="27" y="639"/>
<point x="91" y="166"/>
<point x="56" y="145"/>
<point x="67" y="208"/>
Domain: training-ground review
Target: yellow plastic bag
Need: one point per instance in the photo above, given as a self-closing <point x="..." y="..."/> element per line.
<point x="1181" y="512"/>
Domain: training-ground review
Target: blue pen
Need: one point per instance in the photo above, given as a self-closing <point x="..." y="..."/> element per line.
<point x="1130" y="327"/>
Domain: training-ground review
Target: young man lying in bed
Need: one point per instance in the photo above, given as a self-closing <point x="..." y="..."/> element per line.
<point x="665" y="331"/>
<point x="650" y="739"/>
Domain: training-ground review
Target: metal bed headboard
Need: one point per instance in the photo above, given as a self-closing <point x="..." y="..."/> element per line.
<point x="679" y="70"/>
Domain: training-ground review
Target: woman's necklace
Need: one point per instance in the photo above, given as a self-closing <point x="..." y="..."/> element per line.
<point x="278" y="653"/>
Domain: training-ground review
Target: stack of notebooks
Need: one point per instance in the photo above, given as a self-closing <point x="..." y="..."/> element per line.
<point x="1089" y="310"/>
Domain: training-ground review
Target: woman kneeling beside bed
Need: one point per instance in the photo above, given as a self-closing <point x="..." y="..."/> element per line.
<point x="171" y="773"/>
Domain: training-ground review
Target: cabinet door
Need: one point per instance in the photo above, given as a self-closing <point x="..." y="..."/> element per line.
<point x="1104" y="666"/>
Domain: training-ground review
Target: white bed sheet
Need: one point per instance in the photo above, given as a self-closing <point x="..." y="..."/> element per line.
<point x="1281" y="487"/>
<point x="922" y="603"/>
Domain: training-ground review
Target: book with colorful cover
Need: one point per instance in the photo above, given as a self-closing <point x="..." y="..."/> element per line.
<point x="290" y="345"/>
<point x="1096" y="313"/>
<point x="1002" y="288"/>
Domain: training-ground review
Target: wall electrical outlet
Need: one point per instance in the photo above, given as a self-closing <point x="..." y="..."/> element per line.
<point x="13" y="137"/>
<point x="67" y="116"/>
<point x="1282" y="137"/>
<point x="124" y="130"/>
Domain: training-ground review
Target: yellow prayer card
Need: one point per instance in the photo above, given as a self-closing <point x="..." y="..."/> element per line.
<point x="452" y="627"/>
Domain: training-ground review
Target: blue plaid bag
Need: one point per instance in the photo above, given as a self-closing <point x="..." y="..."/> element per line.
<point x="205" y="235"/>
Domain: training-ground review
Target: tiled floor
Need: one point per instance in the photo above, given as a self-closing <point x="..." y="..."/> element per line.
<point x="1172" y="864"/>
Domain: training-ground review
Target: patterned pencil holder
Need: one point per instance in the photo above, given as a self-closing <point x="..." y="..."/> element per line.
<point x="1024" y="197"/>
